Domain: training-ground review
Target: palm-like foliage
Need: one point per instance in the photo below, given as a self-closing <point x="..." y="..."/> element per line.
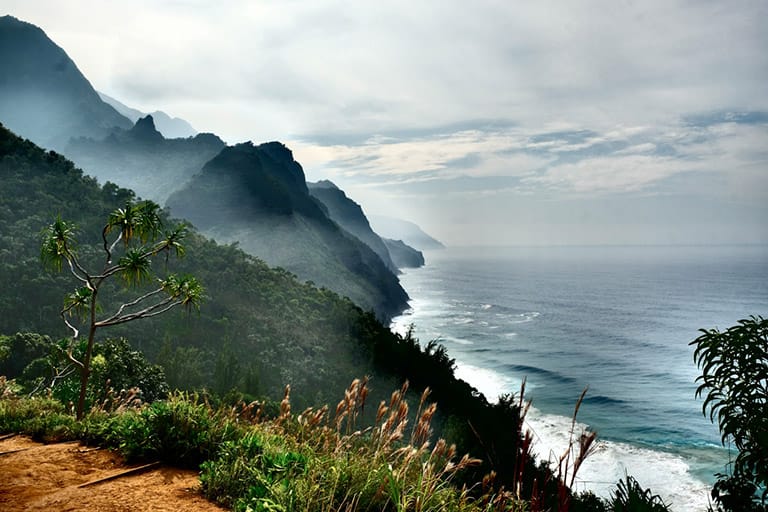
<point x="138" y="226"/>
<point x="185" y="289"/>
<point x="58" y="243"/>
<point x="172" y="241"/>
<point x="77" y="303"/>
<point x="135" y="266"/>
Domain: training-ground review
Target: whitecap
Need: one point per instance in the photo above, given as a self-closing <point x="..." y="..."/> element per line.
<point x="457" y="340"/>
<point x="665" y="474"/>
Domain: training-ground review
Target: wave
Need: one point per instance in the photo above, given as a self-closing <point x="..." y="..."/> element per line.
<point x="666" y="474"/>
<point x="526" y="370"/>
<point x="603" y="400"/>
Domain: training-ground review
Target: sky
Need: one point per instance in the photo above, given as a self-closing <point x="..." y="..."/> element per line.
<point x="571" y="122"/>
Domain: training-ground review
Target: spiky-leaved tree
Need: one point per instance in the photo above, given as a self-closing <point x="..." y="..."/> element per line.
<point x="136" y="232"/>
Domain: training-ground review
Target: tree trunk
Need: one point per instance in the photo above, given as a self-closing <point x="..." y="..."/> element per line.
<point x="85" y="371"/>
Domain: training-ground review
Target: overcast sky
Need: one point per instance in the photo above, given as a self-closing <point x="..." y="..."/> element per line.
<point x="486" y="122"/>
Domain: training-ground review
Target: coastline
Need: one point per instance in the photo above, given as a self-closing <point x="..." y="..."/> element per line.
<point x="679" y="473"/>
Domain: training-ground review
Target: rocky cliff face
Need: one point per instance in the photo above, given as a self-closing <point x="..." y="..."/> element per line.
<point x="404" y="255"/>
<point x="350" y="216"/>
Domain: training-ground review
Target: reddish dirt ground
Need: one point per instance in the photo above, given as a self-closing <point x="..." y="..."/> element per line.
<point x="36" y="476"/>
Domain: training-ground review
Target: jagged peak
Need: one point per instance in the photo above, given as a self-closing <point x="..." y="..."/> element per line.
<point x="144" y="129"/>
<point x="324" y="184"/>
<point x="16" y="21"/>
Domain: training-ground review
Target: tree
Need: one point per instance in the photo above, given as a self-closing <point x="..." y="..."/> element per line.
<point x="138" y="235"/>
<point x="734" y="377"/>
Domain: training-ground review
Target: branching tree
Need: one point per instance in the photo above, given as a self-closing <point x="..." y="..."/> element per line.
<point x="136" y="232"/>
<point x="734" y="382"/>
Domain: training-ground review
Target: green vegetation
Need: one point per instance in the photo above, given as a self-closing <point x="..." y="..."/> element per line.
<point x="257" y="195"/>
<point x="631" y="497"/>
<point x="137" y="222"/>
<point x="261" y="328"/>
<point x="251" y="459"/>
<point x="734" y="380"/>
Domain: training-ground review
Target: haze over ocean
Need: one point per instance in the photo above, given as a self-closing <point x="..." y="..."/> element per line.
<point x="616" y="319"/>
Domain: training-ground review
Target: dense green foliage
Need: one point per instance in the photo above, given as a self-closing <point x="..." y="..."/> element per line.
<point x="133" y="237"/>
<point x="40" y="365"/>
<point x="734" y="381"/>
<point x="316" y="460"/>
<point x="260" y="329"/>
<point x="631" y="497"/>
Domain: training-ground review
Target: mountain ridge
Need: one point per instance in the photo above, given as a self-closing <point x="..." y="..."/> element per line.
<point x="170" y="127"/>
<point x="43" y="95"/>
<point x="257" y="195"/>
<point x="349" y="215"/>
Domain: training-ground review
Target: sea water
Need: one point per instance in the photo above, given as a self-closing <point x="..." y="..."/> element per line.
<point x="615" y="320"/>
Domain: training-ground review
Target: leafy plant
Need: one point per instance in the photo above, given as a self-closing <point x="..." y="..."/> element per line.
<point x="137" y="226"/>
<point x="734" y="382"/>
<point x="630" y="496"/>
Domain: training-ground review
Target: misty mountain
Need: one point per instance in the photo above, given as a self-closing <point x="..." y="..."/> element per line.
<point x="43" y="96"/>
<point x="258" y="196"/>
<point x="403" y="255"/>
<point x="408" y="232"/>
<point x="350" y="216"/>
<point x="170" y="127"/>
<point x="258" y="329"/>
<point x="141" y="159"/>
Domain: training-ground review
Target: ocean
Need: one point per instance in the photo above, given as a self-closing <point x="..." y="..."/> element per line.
<point x="615" y="320"/>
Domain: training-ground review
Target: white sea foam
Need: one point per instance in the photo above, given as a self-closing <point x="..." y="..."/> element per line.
<point x="666" y="474"/>
<point x="486" y="380"/>
<point x="460" y="341"/>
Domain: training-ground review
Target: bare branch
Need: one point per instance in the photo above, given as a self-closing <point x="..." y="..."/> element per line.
<point x="112" y="247"/>
<point x="72" y="358"/>
<point x="75" y="332"/>
<point x="148" y="312"/>
<point x="74" y="272"/>
<point x="131" y="304"/>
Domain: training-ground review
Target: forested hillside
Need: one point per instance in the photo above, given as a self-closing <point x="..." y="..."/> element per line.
<point x="259" y="328"/>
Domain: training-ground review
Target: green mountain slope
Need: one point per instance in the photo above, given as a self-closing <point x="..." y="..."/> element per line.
<point x="257" y="196"/>
<point x="259" y="329"/>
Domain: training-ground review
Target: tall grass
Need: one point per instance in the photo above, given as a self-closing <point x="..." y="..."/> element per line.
<point x="316" y="460"/>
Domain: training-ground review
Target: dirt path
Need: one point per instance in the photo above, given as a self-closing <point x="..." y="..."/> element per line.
<point x="46" y="477"/>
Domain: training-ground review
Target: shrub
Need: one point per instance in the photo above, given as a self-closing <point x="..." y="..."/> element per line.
<point x="734" y="380"/>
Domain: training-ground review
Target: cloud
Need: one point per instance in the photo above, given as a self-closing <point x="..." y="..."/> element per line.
<point x="364" y="67"/>
<point x="494" y="104"/>
<point x="621" y="160"/>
